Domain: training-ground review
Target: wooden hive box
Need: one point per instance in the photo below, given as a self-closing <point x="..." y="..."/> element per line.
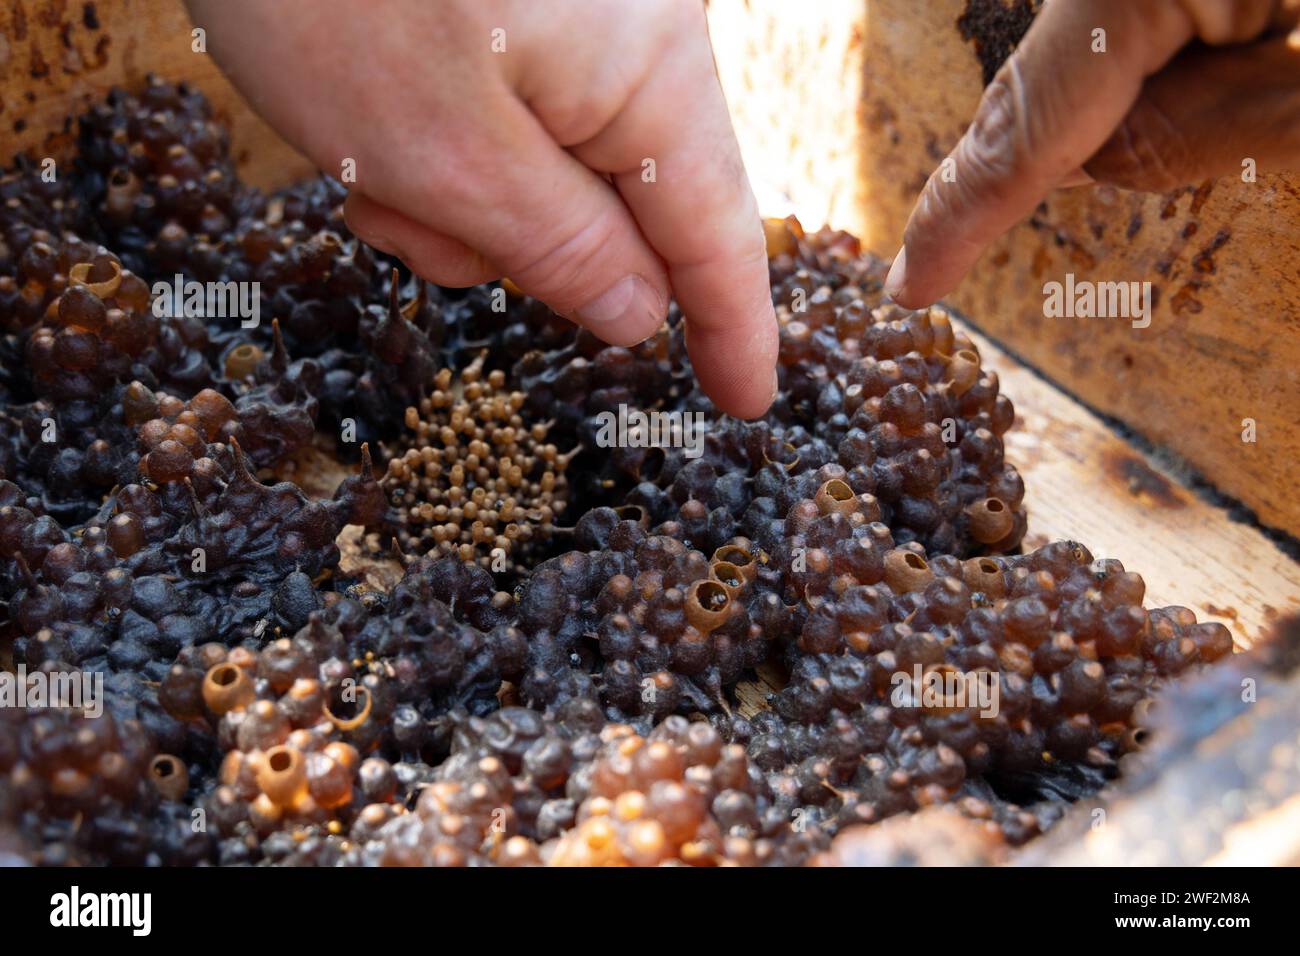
<point x="844" y="107"/>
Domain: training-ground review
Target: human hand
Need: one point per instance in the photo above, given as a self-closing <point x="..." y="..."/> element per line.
<point x="586" y="152"/>
<point x="1140" y="116"/>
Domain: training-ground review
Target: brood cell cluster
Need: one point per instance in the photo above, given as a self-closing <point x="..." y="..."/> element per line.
<point x="557" y="669"/>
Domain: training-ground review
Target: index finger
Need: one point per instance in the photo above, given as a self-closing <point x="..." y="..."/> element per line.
<point x="1054" y="102"/>
<point x="673" y="156"/>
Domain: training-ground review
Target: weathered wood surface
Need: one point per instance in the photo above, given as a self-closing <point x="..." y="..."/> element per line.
<point x="847" y="107"/>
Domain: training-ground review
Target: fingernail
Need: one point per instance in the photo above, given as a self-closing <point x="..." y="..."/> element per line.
<point x="626" y="313"/>
<point x="897" y="278"/>
<point x="776" y="387"/>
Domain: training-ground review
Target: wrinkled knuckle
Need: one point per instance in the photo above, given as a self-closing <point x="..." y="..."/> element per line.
<point x="751" y="249"/>
<point x="996" y="119"/>
<point x="981" y="177"/>
<point x="985" y="174"/>
<point x="564" y="271"/>
<point x="998" y="147"/>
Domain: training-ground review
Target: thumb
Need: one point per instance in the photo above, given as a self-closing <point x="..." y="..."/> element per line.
<point x="527" y="209"/>
<point x="557" y="229"/>
<point x="569" y="240"/>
